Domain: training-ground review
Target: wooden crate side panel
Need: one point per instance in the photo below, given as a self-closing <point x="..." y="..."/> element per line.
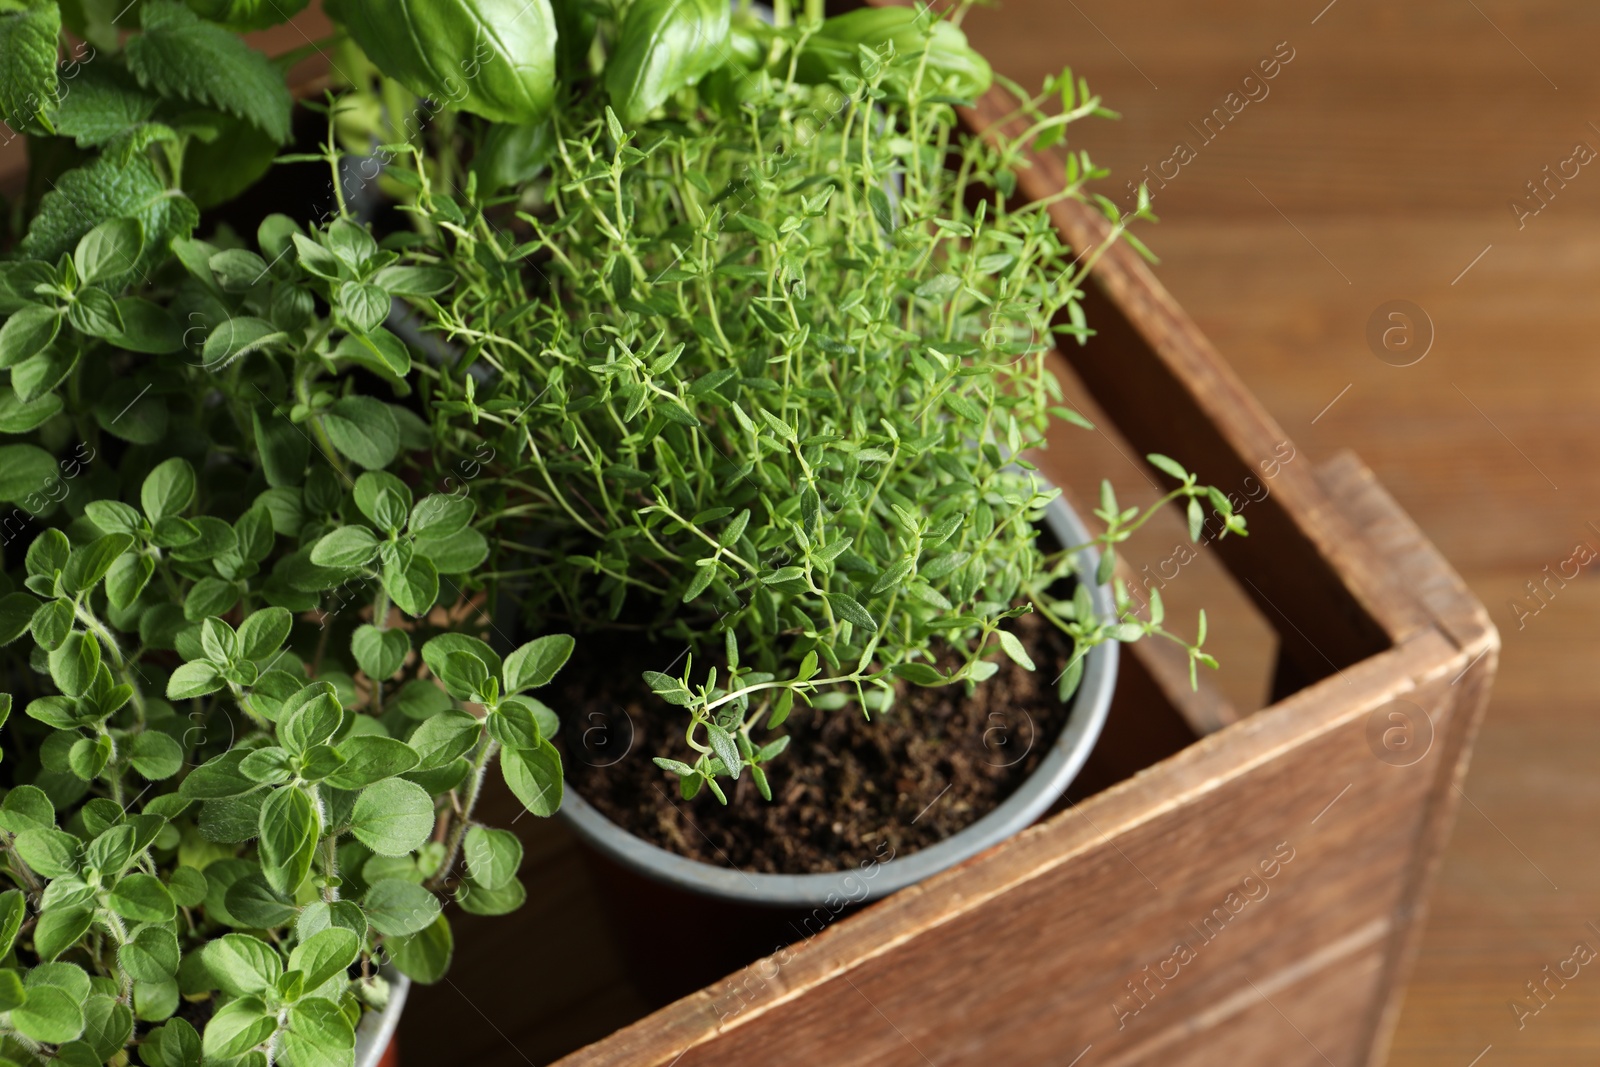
<point x="1299" y="1024"/>
<point x="1168" y="391"/>
<point x="1025" y="949"/>
<point x="1419" y="566"/>
<point x="1145" y="934"/>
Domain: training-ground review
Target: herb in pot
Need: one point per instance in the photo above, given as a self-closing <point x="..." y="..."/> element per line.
<point x="240" y="634"/>
<point x="771" y="366"/>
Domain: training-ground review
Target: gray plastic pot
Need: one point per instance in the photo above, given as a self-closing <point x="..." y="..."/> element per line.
<point x="1041" y="789"/>
<point x="377" y="1027"/>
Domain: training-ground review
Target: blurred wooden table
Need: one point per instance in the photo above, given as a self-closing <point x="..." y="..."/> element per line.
<point x="1379" y="165"/>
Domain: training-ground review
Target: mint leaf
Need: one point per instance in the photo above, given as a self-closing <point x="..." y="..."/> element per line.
<point x="100" y="104"/>
<point x="109" y="188"/>
<point x="28" y="63"/>
<point x="178" y="55"/>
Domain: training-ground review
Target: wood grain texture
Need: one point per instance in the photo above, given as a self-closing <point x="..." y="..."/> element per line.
<point x="1392" y="145"/>
<point x="1378" y="168"/>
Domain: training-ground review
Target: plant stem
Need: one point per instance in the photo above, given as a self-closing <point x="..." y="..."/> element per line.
<point x="480" y="766"/>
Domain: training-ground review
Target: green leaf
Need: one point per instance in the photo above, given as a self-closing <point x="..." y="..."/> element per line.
<point x="325" y="954"/>
<point x="726" y="748"/>
<point x="151" y="954"/>
<point x="478" y="899"/>
<point x="194" y="679"/>
<point x="379" y="653"/>
<point x="1167" y="465"/>
<point x="393" y="817"/>
<point x="534" y="775"/>
<point x="310" y="717"/>
<point x="59" y="929"/>
<point x="18" y="416"/>
<point x="414" y="590"/>
<point x="283" y="447"/>
<point x="919" y="674"/>
<point x="536" y="663"/>
<point x="442" y="51"/>
<point x="264" y="632"/>
<point x="663" y="46"/>
<point x="127" y="578"/>
<point x="168" y="489"/>
<point x="16" y="614"/>
<point x="178" y="55"/>
<point x="74" y="664"/>
<point x="320" y="1034"/>
<point x="513" y="723"/>
<point x="414" y="281"/>
<point x="370" y="758"/>
<point x="28" y="333"/>
<point x="363" y="429"/>
<point x="142" y="898"/>
<point x="109" y="188"/>
<point x="48" y="553"/>
<point x="155" y="755"/>
<point x="396" y="907"/>
<point x="235" y="338"/>
<point x="444" y="737"/>
<point x="364" y="306"/>
<point x="459" y="553"/>
<point x="11" y="992"/>
<point x="218" y="777"/>
<point x="110" y="250"/>
<point x="464" y="676"/>
<point x="95" y="313"/>
<point x="102" y="103"/>
<point x="35" y="377"/>
<point x="289" y="828"/>
<point x="89" y="564"/>
<point x="49" y="1014"/>
<point x="188" y="887"/>
<point x="12" y="911"/>
<point x="28" y="43"/>
<point x="52" y="853"/>
<point x="848" y="609"/>
<point x="493" y="856"/>
<point x="146" y="327"/>
<point x="24" y="471"/>
<point x="254" y="903"/>
<point x="348" y="546"/>
<point x="379" y="351"/>
<point x="237" y="1027"/>
<point x="216" y="171"/>
<point x="1013" y="648"/>
<point x="27" y="807"/>
<point x="88" y="757"/>
<point x="425" y="956"/>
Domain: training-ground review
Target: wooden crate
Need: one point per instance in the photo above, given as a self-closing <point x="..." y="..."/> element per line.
<point x="1220" y="888"/>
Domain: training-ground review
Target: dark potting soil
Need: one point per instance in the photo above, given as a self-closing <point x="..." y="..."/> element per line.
<point x="846" y="791"/>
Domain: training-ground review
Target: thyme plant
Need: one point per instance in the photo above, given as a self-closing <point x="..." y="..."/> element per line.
<point x="770" y="368"/>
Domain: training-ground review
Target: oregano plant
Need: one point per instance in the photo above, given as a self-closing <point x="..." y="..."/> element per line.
<point x="250" y="707"/>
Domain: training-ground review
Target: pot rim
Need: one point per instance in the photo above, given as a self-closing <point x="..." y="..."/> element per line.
<point x="874" y="880"/>
<point x="377" y="1028"/>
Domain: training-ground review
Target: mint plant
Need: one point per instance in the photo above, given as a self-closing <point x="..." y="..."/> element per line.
<point x="180" y="115"/>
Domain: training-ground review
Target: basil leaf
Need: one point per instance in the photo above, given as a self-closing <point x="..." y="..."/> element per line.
<point x="663" y="46"/>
